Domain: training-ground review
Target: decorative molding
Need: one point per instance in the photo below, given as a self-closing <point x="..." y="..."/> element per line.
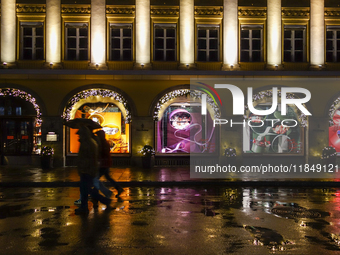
<point x="332" y="12"/>
<point x="31" y="8"/>
<point x="210" y="11"/>
<point x="252" y="12"/>
<point x="80" y="9"/>
<point x="295" y="12"/>
<point x="165" y="11"/>
<point x="120" y="10"/>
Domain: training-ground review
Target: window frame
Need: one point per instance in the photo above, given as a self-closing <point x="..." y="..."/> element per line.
<point x="164" y="26"/>
<point x="250" y="28"/>
<point x="336" y="52"/>
<point x="34" y="48"/>
<point x="293" y="39"/>
<point x="121" y="26"/>
<point x="208" y="27"/>
<point x="77" y="26"/>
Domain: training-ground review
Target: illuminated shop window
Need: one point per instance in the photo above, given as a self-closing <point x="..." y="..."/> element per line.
<point x="110" y="117"/>
<point x="121" y="42"/>
<point x="76" y="41"/>
<point x="165" y="42"/>
<point x="251" y="43"/>
<point x="333" y="44"/>
<point x="31" y="40"/>
<point x="294" y="43"/>
<point x="208" y="43"/>
<point x="274" y="133"/>
<point x="182" y="129"/>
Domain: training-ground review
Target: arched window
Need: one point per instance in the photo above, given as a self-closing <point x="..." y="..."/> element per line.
<point x="274" y="133"/>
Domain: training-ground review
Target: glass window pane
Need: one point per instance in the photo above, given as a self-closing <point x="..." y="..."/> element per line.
<point x="338" y="57"/>
<point x="256" y="56"/>
<point x="287" y="34"/>
<point x="213" y="44"/>
<point x="244" y="56"/>
<point x="116" y="43"/>
<point x="338" y="34"/>
<point x="202" y="33"/>
<point x="159" y="55"/>
<point x="18" y="111"/>
<point x="329" y="57"/>
<point x="39" y="31"/>
<point x="159" y="44"/>
<point x="329" y="45"/>
<point x="27" y="54"/>
<point x="159" y="32"/>
<point x="287" y="57"/>
<point x="213" y="56"/>
<point x="39" y="42"/>
<point x="244" y="33"/>
<point x="39" y="54"/>
<point x="71" y="55"/>
<point x="83" y="42"/>
<point x="329" y="34"/>
<point x="338" y="45"/>
<point x="116" y="55"/>
<point x="71" y="43"/>
<point x="28" y="42"/>
<point x="27" y="31"/>
<point x="170" y="44"/>
<point x="202" y="56"/>
<point x="170" y="55"/>
<point x="127" y="32"/>
<point x="287" y="45"/>
<point x="298" y="34"/>
<point x="170" y="32"/>
<point x="213" y="33"/>
<point x="245" y="44"/>
<point x="299" y="57"/>
<point x="256" y="44"/>
<point x="83" y="55"/>
<point x="71" y="31"/>
<point x="256" y="33"/>
<point x="202" y="44"/>
<point x="127" y="55"/>
<point x="2" y="110"/>
<point x="115" y="32"/>
<point x="126" y="43"/>
<point x="83" y="31"/>
<point x="298" y="45"/>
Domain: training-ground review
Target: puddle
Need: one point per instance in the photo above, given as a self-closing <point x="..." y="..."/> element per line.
<point x="14" y="211"/>
<point x="50" y="237"/>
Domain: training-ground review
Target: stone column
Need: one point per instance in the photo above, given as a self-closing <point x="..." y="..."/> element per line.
<point x="317" y="34"/>
<point x="98" y="34"/>
<point x="53" y="34"/>
<point x="230" y="35"/>
<point x="186" y="34"/>
<point x="8" y="33"/>
<point x="274" y="38"/>
<point x="143" y="34"/>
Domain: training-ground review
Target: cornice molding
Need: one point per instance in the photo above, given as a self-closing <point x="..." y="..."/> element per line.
<point x="120" y="10"/>
<point x="165" y="11"/>
<point x="31" y="8"/>
<point x="252" y="12"/>
<point x="295" y="12"/>
<point x="209" y="11"/>
<point x="332" y="12"/>
<point x="79" y="9"/>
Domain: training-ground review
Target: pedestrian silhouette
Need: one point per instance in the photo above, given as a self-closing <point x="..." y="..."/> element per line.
<point x="88" y="169"/>
<point x="105" y="161"/>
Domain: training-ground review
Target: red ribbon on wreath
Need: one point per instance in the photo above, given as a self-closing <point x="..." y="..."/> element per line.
<point x="263" y="143"/>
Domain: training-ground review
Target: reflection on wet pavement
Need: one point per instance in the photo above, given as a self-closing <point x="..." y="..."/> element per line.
<point x="173" y="220"/>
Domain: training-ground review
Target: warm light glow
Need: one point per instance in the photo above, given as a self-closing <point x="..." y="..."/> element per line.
<point x="274" y="32"/>
<point x="8" y="29"/>
<point x="98" y="14"/>
<point x="317" y="30"/>
<point x="53" y="31"/>
<point x="187" y="31"/>
<point x="143" y="31"/>
<point x="230" y="26"/>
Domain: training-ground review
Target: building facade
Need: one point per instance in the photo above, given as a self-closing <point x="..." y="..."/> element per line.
<point x="130" y="65"/>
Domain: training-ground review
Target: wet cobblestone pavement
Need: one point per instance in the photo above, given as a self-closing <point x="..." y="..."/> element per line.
<point x="172" y="220"/>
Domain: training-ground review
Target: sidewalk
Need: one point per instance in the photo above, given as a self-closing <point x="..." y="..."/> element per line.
<point x="28" y="176"/>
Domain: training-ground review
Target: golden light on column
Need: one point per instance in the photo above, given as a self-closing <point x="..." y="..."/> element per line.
<point x="53" y="31"/>
<point x="317" y="32"/>
<point x="274" y="32"/>
<point x="143" y="32"/>
<point x="187" y="32"/>
<point x="98" y="14"/>
<point x="8" y="29"/>
<point x="230" y="38"/>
